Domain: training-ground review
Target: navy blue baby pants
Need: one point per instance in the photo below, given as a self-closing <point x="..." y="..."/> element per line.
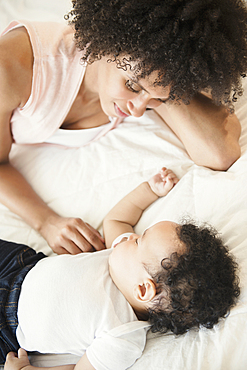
<point x="15" y="262"/>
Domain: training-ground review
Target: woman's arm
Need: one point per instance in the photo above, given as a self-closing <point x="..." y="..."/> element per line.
<point x="64" y="235"/>
<point x="128" y="211"/>
<point x="209" y="133"/>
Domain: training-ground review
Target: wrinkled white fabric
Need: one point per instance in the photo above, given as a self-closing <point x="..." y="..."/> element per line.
<point x="69" y="304"/>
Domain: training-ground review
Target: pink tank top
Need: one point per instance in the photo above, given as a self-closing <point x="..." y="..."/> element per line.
<point x="57" y="77"/>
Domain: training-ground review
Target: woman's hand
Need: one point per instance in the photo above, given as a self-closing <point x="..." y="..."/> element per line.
<point x="163" y="182"/>
<point x="71" y="235"/>
<point x="16" y="361"/>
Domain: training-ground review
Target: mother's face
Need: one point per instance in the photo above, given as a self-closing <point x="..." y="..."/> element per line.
<point x="122" y="95"/>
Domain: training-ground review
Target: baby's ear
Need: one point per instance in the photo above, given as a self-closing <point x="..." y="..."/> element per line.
<point x="145" y="292"/>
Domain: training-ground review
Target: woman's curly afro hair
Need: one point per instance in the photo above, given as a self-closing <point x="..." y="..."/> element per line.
<point x="200" y="285"/>
<point x="194" y="45"/>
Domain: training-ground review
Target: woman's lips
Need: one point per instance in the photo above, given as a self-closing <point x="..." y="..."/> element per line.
<point x="119" y="112"/>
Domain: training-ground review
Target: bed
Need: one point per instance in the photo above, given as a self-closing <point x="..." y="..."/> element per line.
<point x="86" y="182"/>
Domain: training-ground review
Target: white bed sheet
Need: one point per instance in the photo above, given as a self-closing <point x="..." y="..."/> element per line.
<point x="86" y="182"/>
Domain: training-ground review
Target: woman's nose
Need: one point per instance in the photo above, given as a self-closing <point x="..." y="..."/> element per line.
<point x="140" y="103"/>
<point x="136" y="108"/>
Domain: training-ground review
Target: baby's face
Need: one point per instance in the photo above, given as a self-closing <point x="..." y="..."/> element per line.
<point x="127" y="260"/>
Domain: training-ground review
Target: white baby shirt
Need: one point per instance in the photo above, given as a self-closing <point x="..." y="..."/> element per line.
<point x="69" y="304"/>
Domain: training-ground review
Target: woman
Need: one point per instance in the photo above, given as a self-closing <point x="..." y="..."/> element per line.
<point x="146" y="54"/>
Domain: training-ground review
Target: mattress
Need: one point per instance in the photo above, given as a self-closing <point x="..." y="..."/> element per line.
<point x="86" y="182"/>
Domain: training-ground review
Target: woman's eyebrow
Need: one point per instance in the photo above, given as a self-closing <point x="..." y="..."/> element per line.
<point x="143" y="88"/>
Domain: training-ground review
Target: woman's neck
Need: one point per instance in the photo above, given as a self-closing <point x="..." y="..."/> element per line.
<point x="89" y="86"/>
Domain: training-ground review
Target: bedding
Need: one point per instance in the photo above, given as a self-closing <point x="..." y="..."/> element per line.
<point x="86" y="182"/>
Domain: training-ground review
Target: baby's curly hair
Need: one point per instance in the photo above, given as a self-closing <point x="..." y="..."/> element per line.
<point x="196" y="288"/>
<point x="194" y="45"/>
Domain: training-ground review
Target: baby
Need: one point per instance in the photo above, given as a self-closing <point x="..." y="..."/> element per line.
<point x="100" y="305"/>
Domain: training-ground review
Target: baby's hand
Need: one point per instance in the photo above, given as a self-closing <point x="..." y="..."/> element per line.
<point x="163" y="182"/>
<point x="16" y="361"/>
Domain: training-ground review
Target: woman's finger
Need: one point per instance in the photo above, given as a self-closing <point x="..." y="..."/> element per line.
<point x="92" y="236"/>
<point x="97" y="232"/>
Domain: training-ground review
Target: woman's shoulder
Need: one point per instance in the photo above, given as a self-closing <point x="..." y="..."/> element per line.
<point x="16" y="64"/>
<point x="51" y="39"/>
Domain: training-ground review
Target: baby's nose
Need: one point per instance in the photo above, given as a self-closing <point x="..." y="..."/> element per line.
<point x="132" y="236"/>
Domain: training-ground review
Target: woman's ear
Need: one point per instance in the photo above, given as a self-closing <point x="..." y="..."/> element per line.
<point x="145" y="291"/>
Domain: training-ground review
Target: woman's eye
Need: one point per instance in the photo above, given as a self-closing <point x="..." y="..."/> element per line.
<point x="136" y="241"/>
<point x="162" y="100"/>
<point x="132" y="86"/>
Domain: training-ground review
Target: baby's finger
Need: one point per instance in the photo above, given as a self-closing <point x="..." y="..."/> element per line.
<point x="22" y="353"/>
<point x="163" y="169"/>
<point x="172" y="175"/>
<point x="165" y="172"/>
<point x="169" y="184"/>
<point x="11" y="355"/>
